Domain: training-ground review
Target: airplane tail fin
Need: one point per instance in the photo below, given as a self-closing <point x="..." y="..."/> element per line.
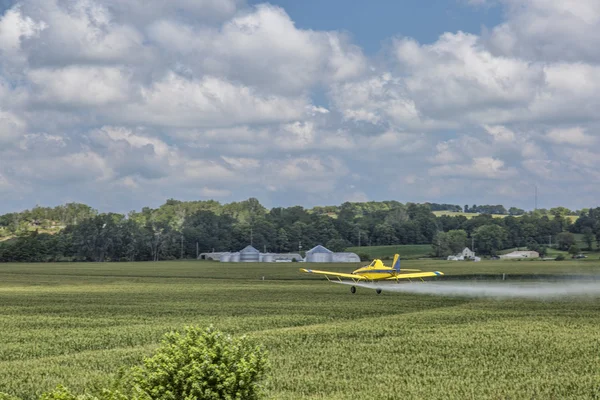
<point x="396" y="263"/>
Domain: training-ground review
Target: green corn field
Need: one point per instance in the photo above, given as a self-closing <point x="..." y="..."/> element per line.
<point x="78" y="324"/>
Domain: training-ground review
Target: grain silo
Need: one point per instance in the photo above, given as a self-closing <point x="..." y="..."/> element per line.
<point x="267" y="257"/>
<point x="225" y="257"/>
<point x="319" y="254"/>
<point x="249" y="254"/>
<point x="235" y="257"/>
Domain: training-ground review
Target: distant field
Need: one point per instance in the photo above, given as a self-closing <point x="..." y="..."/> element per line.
<point x="573" y="218"/>
<point x="468" y="215"/>
<point x="405" y="251"/>
<point x="76" y="324"/>
<point x="5" y="234"/>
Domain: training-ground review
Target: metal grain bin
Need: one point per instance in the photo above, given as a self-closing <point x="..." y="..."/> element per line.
<point x="319" y="254"/>
<point x="249" y="254"/>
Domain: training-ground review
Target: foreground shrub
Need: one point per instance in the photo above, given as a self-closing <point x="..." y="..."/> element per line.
<point x="202" y="364"/>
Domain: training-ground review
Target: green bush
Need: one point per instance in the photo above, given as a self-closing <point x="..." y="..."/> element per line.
<point x="202" y="364"/>
<point x="559" y="257"/>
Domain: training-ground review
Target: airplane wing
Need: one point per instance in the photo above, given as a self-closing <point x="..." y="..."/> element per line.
<point x="415" y="276"/>
<point x="329" y="273"/>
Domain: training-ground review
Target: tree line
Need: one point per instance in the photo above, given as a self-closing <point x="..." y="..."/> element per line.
<point x="182" y="230"/>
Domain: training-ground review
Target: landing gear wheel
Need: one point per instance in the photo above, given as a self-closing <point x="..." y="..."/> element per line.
<point x="378" y="291"/>
<point x="352" y="289"/>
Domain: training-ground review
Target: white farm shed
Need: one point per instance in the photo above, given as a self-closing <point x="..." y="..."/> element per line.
<point x="346" y="257"/>
<point x="520" y="254"/>
<point x="466" y="254"/>
<point x="211" y="256"/>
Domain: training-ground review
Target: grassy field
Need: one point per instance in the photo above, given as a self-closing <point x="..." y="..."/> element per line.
<point x="410" y="251"/>
<point x="464" y="214"/>
<point x="573" y="218"/>
<point x="76" y="324"/>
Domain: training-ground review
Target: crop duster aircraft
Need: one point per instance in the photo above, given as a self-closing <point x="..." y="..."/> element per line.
<point x="376" y="271"/>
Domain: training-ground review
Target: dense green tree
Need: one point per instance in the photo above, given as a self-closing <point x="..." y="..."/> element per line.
<point x="574" y="249"/>
<point x="489" y="238"/>
<point x="565" y="240"/>
<point x="337" y="245"/>
<point x="384" y="234"/>
<point x="283" y="242"/>
<point x="515" y="211"/>
<point x="588" y="237"/>
<point x="179" y="229"/>
<point x="449" y="243"/>
<point x="535" y="246"/>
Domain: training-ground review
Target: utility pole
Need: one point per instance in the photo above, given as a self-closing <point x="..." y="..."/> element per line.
<point x="358" y="237"/>
<point x="251" y="238"/>
<point x="197" y="251"/>
<point x="549" y="240"/>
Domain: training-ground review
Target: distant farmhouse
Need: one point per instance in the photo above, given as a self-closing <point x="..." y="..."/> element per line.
<point x="317" y="254"/>
<point x="466" y="254"/>
<point x="520" y="254"/>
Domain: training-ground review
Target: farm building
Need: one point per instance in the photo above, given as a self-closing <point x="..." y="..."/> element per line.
<point x="211" y="256"/>
<point x="520" y="254"/>
<point x="250" y="254"/>
<point x="280" y="257"/>
<point x="230" y="257"/>
<point x="466" y="254"/>
<point x="320" y="254"/>
<point x="345" y="257"/>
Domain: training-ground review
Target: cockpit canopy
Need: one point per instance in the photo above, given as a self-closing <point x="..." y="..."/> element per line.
<point x="376" y="264"/>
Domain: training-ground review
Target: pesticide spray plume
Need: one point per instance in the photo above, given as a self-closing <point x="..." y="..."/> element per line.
<point x="507" y="290"/>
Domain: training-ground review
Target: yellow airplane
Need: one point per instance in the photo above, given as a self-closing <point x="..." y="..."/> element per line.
<point x="376" y="271"/>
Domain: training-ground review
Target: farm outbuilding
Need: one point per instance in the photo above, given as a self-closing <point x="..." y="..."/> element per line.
<point x="249" y="254"/>
<point x="466" y="254"/>
<point x="346" y="257"/>
<point x="284" y="257"/>
<point x="319" y="254"/>
<point x="521" y="254"/>
<point x="316" y="254"/>
<point x="211" y="256"/>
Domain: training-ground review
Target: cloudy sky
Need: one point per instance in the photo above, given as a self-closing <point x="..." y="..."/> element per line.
<point x="122" y="104"/>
